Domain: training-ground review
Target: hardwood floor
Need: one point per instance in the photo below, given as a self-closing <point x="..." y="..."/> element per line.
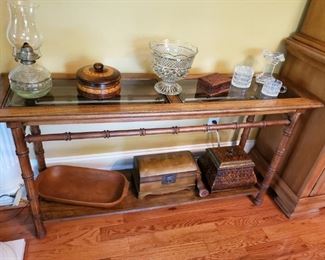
<point x="225" y="229"/>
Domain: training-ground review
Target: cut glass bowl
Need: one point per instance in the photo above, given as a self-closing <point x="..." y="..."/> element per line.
<point x="171" y="62"/>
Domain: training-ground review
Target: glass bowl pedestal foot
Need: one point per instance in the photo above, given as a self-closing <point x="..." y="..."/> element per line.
<point x="167" y="88"/>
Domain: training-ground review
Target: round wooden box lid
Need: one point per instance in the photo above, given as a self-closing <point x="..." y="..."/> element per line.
<point x="98" y="76"/>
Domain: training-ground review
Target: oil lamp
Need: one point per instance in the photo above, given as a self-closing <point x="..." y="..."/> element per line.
<point x="28" y="79"/>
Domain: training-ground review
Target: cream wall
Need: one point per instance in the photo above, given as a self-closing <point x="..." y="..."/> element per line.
<point x="117" y="33"/>
<point x="227" y="32"/>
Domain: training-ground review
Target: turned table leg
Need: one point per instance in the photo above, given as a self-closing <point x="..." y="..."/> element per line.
<point x="277" y="158"/>
<point x="27" y="174"/>
<point x="38" y="148"/>
<point x="245" y="133"/>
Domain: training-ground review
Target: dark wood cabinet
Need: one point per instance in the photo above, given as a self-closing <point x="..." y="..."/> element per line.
<point x="300" y="187"/>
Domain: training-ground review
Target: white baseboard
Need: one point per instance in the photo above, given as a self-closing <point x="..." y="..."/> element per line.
<point x="124" y="160"/>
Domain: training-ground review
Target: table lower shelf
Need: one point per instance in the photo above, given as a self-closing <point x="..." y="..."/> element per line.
<point x="53" y="210"/>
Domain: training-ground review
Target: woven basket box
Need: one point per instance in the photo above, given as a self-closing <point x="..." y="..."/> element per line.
<point x="227" y="168"/>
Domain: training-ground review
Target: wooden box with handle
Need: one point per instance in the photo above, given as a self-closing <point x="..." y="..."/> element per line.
<point x="158" y="174"/>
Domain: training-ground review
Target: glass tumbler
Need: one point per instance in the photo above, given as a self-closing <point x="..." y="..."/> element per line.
<point x="241" y="81"/>
<point x="272" y="88"/>
<point x="242" y="77"/>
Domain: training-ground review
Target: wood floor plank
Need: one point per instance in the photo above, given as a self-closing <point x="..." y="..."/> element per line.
<point x="239" y="218"/>
<point x="233" y="224"/>
<point x="316" y="242"/>
<point x="76" y="245"/>
<point x="170" y="252"/>
<point x="230" y="253"/>
<point x="200" y="258"/>
<point x="295" y="228"/>
<point x="91" y="222"/>
<point x="225" y="229"/>
<point x="276" y="249"/>
<point x="178" y="221"/>
<point x="305" y="255"/>
<point x="222" y="245"/>
<point x="178" y="236"/>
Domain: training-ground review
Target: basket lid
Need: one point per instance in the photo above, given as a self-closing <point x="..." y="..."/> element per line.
<point x="230" y="157"/>
<point x="98" y="75"/>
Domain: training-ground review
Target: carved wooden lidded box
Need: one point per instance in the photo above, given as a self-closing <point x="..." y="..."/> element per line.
<point x="99" y="81"/>
<point x="227" y="168"/>
<point x="215" y="84"/>
<point x="164" y="173"/>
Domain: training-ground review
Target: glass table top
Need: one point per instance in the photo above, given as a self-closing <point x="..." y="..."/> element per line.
<point x="133" y="91"/>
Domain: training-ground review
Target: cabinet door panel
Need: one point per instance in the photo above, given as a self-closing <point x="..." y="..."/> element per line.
<point x="319" y="188"/>
<point x="319" y="170"/>
<point x="314" y="22"/>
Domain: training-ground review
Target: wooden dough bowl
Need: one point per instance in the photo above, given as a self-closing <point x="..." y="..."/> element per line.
<point x="82" y="186"/>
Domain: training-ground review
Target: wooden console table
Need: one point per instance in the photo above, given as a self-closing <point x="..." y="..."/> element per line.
<point x="139" y="102"/>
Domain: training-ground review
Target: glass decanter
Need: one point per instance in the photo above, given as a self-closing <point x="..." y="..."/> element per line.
<point x="28" y="80"/>
<point x="271" y="60"/>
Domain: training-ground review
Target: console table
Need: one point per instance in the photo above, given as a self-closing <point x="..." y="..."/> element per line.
<point x="139" y="102"/>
